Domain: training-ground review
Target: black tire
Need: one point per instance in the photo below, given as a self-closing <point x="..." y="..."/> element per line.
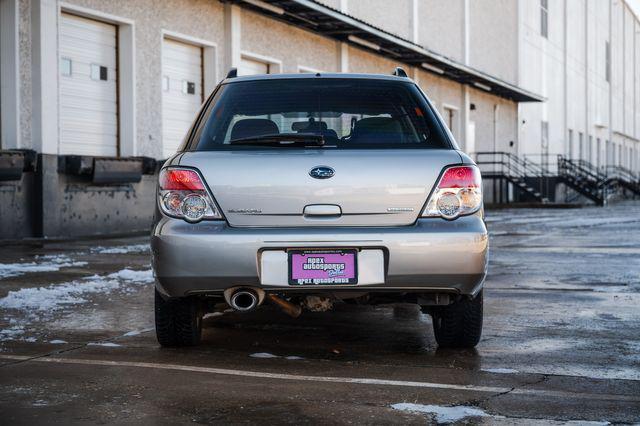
<point x="178" y="321"/>
<point x="459" y="325"/>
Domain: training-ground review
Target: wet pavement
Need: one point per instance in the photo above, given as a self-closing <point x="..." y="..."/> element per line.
<point x="561" y="340"/>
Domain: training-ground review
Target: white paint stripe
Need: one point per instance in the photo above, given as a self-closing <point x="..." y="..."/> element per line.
<point x="351" y="380"/>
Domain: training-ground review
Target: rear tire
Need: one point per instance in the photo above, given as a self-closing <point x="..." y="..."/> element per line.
<point x="178" y="321"/>
<point x="459" y="325"/>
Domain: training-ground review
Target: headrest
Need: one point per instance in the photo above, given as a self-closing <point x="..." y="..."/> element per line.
<point x="251" y="127"/>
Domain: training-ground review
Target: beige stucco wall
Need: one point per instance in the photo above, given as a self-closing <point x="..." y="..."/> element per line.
<point x="361" y="61"/>
<point x="293" y="46"/>
<point x="24" y="42"/>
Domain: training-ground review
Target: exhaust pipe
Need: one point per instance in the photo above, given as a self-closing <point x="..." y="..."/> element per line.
<point x="289" y="308"/>
<point x="244" y="299"/>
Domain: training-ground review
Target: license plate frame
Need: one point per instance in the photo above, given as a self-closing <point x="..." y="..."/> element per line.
<point x="352" y="257"/>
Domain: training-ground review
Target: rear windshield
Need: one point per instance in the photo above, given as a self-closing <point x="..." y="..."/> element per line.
<point x="331" y="113"/>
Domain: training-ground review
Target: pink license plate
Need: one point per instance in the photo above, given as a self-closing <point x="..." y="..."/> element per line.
<point x="323" y="267"/>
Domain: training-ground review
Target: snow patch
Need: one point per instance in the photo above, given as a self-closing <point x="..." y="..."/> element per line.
<point x="442" y="414"/>
<point x="132" y="248"/>
<point x="105" y="344"/>
<point x="47" y="263"/>
<point x="46" y="300"/>
<point x="57" y="342"/>
<point x="11" y="333"/>
<point x="136" y="332"/>
<point x="263" y="355"/>
<point x="268" y="355"/>
<point x="500" y="370"/>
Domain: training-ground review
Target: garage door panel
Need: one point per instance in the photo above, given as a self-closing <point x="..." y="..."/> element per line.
<point x="87" y="30"/>
<point x="180" y="62"/>
<point x="251" y="67"/>
<point x="88" y="106"/>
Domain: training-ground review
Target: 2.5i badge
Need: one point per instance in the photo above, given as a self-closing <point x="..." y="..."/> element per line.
<point x="323" y="267"/>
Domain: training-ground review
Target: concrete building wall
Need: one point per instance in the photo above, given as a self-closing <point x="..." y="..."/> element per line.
<point x="397" y="21"/>
<point x="441" y="27"/>
<point x="493" y="40"/>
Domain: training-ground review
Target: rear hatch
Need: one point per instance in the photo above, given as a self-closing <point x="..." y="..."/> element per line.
<point x="274" y="188"/>
<point x="377" y="139"/>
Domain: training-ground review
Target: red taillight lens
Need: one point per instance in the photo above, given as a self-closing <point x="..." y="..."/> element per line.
<point x="460" y="177"/>
<point x="180" y="180"/>
<point x="459" y="192"/>
<point x="182" y="194"/>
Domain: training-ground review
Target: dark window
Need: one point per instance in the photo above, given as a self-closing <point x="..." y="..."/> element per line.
<point x="544" y="18"/>
<point x="347" y="113"/>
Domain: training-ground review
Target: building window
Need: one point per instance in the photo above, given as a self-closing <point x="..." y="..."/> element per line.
<point x="570" y="143"/>
<point x="607" y="59"/>
<point x="544" y="136"/>
<point x="580" y="146"/>
<point x="65" y="67"/>
<point x="544" y="18"/>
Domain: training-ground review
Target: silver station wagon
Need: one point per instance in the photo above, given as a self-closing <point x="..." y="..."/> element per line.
<point x="309" y="190"/>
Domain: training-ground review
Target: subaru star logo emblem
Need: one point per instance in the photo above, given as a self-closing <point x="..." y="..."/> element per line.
<point x="322" y="172"/>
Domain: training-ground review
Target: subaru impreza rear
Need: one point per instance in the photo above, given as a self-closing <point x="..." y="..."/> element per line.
<point x="305" y="191"/>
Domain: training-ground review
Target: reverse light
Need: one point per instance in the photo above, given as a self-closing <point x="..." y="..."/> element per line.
<point x="458" y="193"/>
<point x="182" y="194"/>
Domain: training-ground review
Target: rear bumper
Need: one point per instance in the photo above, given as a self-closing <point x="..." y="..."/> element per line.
<point x="433" y="255"/>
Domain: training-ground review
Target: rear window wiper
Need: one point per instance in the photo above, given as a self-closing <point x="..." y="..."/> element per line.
<point x="281" y="139"/>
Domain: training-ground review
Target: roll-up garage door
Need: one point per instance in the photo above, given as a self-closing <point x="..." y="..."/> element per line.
<point x="182" y="91"/>
<point x="88" y="87"/>
<point x="251" y="67"/>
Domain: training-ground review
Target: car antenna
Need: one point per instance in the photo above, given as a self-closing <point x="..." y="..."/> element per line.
<point x="233" y="73"/>
<point x="399" y="72"/>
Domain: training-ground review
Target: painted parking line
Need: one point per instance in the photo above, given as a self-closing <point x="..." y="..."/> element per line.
<point x="326" y="379"/>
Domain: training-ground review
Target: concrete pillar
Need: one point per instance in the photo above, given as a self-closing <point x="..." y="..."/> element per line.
<point x="44" y="74"/>
<point x="233" y="39"/>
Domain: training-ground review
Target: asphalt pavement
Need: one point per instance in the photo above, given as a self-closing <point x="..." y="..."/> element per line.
<point x="561" y="341"/>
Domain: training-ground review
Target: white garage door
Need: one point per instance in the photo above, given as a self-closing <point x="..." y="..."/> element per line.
<point x="182" y="91"/>
<point x="88" y="87"/>
<point x="251" y="67"/>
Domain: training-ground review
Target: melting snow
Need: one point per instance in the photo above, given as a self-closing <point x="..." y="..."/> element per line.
<point x="268" y="355"/>
<point x="106" y="344"/>
<point x="11" y="333"/>
<point x="136" y="332"/>
<point x="40" y="303"/>
<point x="58" y="296"/>
<point x="57" y="342"/>
<point x="263" y="355"/>
<point x="500" y="370"/>
<point x="442" y="414"/>
<point x="41" y="264"/>
<point x="132" y="248"/>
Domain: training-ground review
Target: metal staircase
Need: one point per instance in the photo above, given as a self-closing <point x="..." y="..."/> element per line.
<point x="584" y="178"/>
<point x="624" y="178"/>
<point x="507" y="166"/>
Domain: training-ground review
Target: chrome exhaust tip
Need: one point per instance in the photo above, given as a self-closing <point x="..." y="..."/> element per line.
<point x="244" y="300"/>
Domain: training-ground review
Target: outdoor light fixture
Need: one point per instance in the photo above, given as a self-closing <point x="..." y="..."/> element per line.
<point x="266" y="6"/>
<point x="364" y="43"/>
<point x="432" y="68"/>
<point x="482" y="86"/>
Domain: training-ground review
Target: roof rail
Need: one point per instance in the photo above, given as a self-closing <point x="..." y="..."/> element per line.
<point x="233" y="73"/>
<point x="399" y="72"/>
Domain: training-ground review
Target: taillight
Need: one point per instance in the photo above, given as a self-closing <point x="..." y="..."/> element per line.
<point x="182" y="194"/>
<point x="458" y="193"/>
